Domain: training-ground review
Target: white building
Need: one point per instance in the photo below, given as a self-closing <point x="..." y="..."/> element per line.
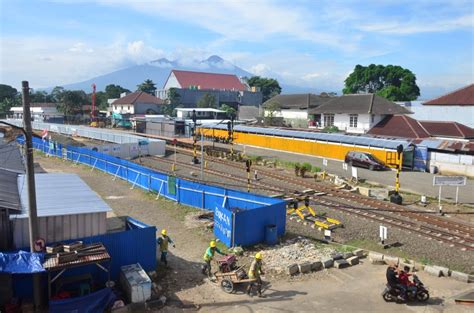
<point x="41" y="112"/>
<point x="356" y="113"/>
<point x="201" y="113"/>
<point x="138" y="102"/>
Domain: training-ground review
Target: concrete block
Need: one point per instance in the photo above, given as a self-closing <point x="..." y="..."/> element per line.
<point x="316" y="265"/>
<point x="347" y="255"/>
<point x="353" y="260"/>
<point x="359" y="253"/>
<point x="292" y="269"/>
<point x="444" y="270"/>
<point x="304" y="267"/>
<point x="433" y="270"/>
<point x="336" y="256"/>
<point x="376" y="258"/>
<point x="341" y="263"/>
<point x="391" y="260"/>
<point x="465" y="278"/>
<point x="327" y="262"/>
<point x="364" y="191"/>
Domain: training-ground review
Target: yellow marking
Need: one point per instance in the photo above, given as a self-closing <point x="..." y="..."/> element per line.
<point x="332" y="220"/>
<point x="321" y="224"/>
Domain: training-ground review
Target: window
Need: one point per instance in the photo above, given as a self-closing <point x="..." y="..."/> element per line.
<point x="128" y="108"/>
<point x="115" y="107"/>
<point x="353" y="120"/>
<point x="328" y="120"/>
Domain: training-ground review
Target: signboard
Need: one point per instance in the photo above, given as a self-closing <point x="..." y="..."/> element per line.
<point x="223" y="221"/>
<point x="327" y="234"/>
<point x="383" y="233"/>
<point x="344" y="166"/>
<point x="354" y="173"/>
<point x="325" y="162"/>
<point x="449" y="181"/>
<point x="40" y="244"/>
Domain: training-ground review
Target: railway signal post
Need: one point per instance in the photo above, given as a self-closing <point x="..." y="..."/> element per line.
<point x="248" y="164"/>
<point x="195" y="159"/>
<point x="396" y="197"/>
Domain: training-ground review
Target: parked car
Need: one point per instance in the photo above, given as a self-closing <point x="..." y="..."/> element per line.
<point x="364" y="159"/>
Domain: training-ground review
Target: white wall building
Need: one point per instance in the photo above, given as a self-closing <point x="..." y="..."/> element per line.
<point x="41" y="112"/>
<point x="356" y="113"/>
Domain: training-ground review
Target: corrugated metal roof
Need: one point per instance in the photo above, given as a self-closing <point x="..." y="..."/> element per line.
<point x="336" y="138"/>
<point x="10" y="157"/>
<point x="9" y="198"/>
<point x="61" y="194"/>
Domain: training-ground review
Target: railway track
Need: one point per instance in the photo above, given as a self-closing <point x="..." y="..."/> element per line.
<point x="433" y="227"/>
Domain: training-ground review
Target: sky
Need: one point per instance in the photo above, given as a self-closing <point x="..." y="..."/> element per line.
<point x="304" y="43"/>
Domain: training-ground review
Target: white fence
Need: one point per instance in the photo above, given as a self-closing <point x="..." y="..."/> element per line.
<point x="452" y="163"/>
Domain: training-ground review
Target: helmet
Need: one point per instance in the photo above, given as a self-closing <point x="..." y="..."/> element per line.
<point x="258" y="256"/>
<point x="163" y="232"/>
<point x="212" y="244"/>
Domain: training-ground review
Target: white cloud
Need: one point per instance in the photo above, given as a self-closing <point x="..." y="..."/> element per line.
<point x="420" y="26"/>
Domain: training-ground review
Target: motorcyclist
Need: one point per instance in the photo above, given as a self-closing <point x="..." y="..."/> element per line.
<point x="394" y="282"/>
<point x="404" y="278"/>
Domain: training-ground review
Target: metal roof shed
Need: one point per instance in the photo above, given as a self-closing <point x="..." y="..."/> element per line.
<point x="67" y="209"/>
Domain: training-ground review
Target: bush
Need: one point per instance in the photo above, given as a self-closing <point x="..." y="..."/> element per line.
<point x="315" y="169"/>
<point x="297" y="168"/>
<point x="307" y="166"/>
<point x="331" y="129"/>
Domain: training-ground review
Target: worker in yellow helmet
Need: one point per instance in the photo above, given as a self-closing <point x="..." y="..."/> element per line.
<point x="208" y="256"/>
<point x="254" y="273"/>
<point x="163" y="242"/>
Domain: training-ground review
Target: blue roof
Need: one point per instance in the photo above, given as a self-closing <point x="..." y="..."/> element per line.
<point x="335" y="138"/>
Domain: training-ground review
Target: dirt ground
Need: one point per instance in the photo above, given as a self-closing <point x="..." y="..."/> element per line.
<point x="356" y="289"/>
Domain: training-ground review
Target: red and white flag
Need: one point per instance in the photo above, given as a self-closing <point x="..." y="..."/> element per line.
<point x="44" y="133"/>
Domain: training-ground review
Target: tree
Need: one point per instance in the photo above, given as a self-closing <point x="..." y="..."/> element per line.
<point x="172" y="102"/>
<point x="392" y="82"/>
<point x="268" y="86"/>
<point x="271" y="108"/>
<point x="72" y="102"/>
<point x="9" y="97"/>
<point x="147" y="86"/>
<point x="100" y="100"/>
<point x="230" y="111"/>
<point x="207" y="101"/>
<point x="40" y="96"/>
<point x="57" y="94"/>
<point x="113" y="91"/>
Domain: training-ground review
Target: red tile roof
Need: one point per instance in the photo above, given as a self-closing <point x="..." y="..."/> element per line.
<point x="138" y="97"/>
<point x="407" y="127"/>
<point x="447" y="129"/>
<point x="399" y="126"/>
<point x="463" y="96"/>
<point x="208" y="80"/>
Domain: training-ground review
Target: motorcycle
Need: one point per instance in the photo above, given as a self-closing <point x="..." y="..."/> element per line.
<point x="415" y="292"/>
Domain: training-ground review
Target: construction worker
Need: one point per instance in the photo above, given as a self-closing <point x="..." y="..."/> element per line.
<point x="254" y="273"/>
<point x="163" y="241"/>
<point x="208" y="256"/>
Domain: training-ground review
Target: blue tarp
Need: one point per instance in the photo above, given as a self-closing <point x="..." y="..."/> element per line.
<point x="92" y="303"/>
<point x="21" y="262"/>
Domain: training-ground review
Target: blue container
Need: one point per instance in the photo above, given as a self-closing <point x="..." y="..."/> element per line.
<point x="271" y="237"/>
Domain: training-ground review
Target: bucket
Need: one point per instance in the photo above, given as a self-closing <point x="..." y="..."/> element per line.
<point x="271" y="237"/>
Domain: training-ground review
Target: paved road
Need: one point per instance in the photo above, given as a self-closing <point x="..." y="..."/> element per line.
<point x="355" y="289"/>
<point x="416" y="182"/>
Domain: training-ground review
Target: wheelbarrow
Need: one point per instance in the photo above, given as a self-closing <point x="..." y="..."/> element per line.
<point x="230" y="279"/>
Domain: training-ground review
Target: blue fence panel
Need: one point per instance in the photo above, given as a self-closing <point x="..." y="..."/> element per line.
<point x="223" y="225"/>
<point x="214" y="197"/>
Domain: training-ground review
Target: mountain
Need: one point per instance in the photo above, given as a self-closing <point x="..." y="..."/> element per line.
<point x="158" y="71"/>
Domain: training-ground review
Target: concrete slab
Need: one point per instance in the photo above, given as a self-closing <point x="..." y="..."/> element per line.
<point x="460" y="276"/>
<point x="292" y="269"/>
<point x="444" y="270"/>
<point x="433" y="271"/>
<point x="327" y="262"/>
<point x="304" y="267"/>
<point x="359" y="253"/>
<point x="391" y="260"/>
<point x="353" y="260"/>
<point x="347" y="255"/>
<point x="336" y="256"/>
<point x="316" y="265"/>
<point x="341" y="264"/>
<point x="376" y="258"/>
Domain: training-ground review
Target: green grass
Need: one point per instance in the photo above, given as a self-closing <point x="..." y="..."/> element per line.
<point x="375" y="246"/>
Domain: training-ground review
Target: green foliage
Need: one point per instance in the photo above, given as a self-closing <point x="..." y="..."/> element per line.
<point x="268" y="86"/>
<point x="172" y="102"/>
<point x="72" y="102"/>
<point x="230" y="111"/>
<point x="57" y="94"/>
<point x="315" y="169"/>
<point x="40" y="96"/>
<point x="331" y="129"/>
<point x="101" y="100"/>
<point x="9" y="97"/>
<point x="147" y="86"/>
<point x="306" y="166"/>
<point x="113" y="91"/>
<point x="271" y="108"/>
<point x="207" y="101"/>
<point x="392" y="82"/>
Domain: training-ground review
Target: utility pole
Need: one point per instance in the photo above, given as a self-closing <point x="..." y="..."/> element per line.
<point x="396" y="197"/>
<point x="30" y="177"/>
<point x="195" y="159"/>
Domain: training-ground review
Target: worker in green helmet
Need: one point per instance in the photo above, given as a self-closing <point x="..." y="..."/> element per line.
<point x="163" y="242"/>
<point x="208" y="256"/>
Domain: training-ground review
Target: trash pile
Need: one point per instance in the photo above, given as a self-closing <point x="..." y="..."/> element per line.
<point x="298" y="250"/>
